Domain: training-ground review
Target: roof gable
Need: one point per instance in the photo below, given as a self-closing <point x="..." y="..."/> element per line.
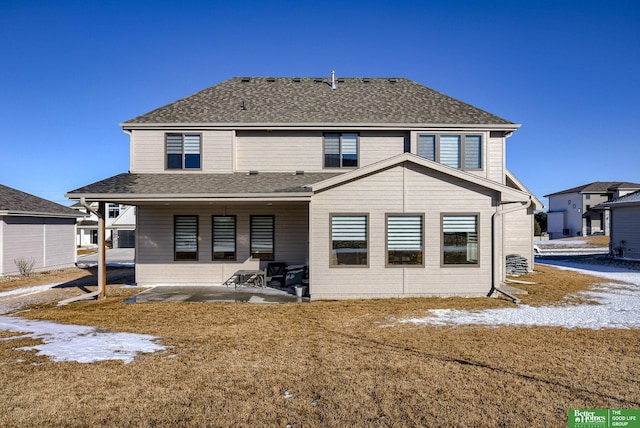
<point x="13" y="201"/>
<point x="313" y="101"/>
<point x="508" y="194"/>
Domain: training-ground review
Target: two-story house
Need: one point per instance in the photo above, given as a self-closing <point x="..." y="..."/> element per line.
<point x="120" y="225"/>
<point x="579" y="211"/>
<point x="381" y="186"/>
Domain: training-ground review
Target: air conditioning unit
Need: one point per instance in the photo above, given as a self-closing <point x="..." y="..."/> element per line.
<point x="566" y="232"/>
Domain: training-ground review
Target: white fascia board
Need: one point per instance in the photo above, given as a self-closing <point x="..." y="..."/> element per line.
<point x="37" y="214"/>
<point x="135" y="199"/>
<point x="321" y="126"/>
<point x="507" y="193"/>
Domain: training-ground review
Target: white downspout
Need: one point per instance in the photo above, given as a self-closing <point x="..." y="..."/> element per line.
<point x="497" y="262"/>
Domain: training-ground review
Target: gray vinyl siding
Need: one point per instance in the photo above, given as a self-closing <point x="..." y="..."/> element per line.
<point x="154" y="247"/>
<point x="400" y="189"/>
<point x="625" y="230"/>
<point x="148" y="152"/>
<point x="49" y="242"/>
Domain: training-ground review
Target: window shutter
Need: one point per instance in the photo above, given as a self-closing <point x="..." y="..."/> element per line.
<point x="349" y="228"/>
<point x="450" y="150"/>
<point x="404" y="233"/>
<point x="460" y="223"/>
<point x="332" y="150"/>
<point x="224" y="234"/>
<point x="427" y="147"/>
<point x="192" y="151"/>
<point x="473" y="152"/>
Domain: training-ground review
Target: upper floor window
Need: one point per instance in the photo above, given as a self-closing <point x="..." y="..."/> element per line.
<point x="457" y="151"/>
<point x="183" y="151"/>
<point x="341" y="150"/>
<point x="114" y="210"/>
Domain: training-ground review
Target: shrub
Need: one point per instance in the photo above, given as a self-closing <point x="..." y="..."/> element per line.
<point x="25" y="266"/>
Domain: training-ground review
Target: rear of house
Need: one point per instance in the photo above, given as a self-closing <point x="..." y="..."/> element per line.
<point x="380" y="187"/>
<point x="35" y="234"/>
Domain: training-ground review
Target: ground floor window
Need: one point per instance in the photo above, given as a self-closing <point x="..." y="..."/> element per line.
<point x="224" y="237"/>
<point x="459" y="239"/>
<point x="405" y="244"/>
<point x="185" y="237"/>
<point x="349" y="236"/>
<point x="262" y="237"/>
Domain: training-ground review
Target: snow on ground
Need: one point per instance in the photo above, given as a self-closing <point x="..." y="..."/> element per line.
<point x="61" y="342"/>
<point x="618" y="306"/>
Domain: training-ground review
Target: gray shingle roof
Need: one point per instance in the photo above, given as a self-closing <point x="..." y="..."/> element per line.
<point x="631" y="198"/>
<point x="205" y="184"/>
<point x="312" y="101"/>
<point x="16" y="201"/>
<point x="599" y="187"/>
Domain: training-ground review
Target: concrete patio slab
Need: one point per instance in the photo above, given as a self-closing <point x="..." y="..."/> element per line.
<point x="213" y="293"/>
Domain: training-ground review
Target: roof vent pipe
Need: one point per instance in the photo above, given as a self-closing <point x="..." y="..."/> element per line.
<point x="333" y="79"/>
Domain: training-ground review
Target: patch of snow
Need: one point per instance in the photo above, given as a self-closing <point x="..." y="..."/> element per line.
<point x="61" y="342"/>
<point x="618" y="306"/>
<point x="25" y="291"/>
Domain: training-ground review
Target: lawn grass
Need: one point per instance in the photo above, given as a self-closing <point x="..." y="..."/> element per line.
<point x="331" y="363"/>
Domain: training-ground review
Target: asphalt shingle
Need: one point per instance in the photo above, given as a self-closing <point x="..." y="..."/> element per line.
<point x="205" y="184"/>
<point x="312" y="101"/>
<point x="13" y="200"/>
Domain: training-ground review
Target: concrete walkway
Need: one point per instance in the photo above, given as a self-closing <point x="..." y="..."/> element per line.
<point x="114" y="256"/>
<point x="214" y="293"/>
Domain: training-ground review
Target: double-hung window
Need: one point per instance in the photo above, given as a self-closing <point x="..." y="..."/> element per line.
<point x="457" y="151"/>
<point x="405" y="240"/>
<point x="349" y="240"/>
<point x="224" y="237"/>
<point x="340" y="150"/>
<point x="460" y="239"/>
<point x="185" y="232"/>
<point x="262" y="237"/>
<point x="183" y="151"/>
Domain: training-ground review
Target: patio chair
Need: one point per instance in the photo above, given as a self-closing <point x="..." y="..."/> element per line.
<point x="277" y="271"/>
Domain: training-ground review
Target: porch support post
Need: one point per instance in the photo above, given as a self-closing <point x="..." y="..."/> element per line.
<point x="102" y="252"/>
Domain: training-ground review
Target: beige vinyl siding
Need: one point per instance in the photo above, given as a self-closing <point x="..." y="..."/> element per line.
<point x="375" y="147"/>
<point x="495" y="159"/>
<point x="518" y="235"/>
<point x="279" y="151"/>
<point x="626" y="227"/>
<point x="400" y="189"/>
<point x="284" y="151"/>
<point x="148" y="153"/>
<point x="49" y="242"/>
<point x="154" y="248"/>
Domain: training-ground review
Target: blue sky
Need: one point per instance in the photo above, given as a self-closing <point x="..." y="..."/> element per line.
<point x="71" y="71"/>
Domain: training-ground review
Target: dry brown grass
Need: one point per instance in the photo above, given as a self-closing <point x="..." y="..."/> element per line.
<point x="232" y="364"/>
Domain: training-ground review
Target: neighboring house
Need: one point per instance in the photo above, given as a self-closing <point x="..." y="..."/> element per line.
<point x="382" y="187"/>
<point x="624" y="217"/>
<point x="120" y="226"/>
<point x="35" y="231"/>
<point x="579" y="211"/>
